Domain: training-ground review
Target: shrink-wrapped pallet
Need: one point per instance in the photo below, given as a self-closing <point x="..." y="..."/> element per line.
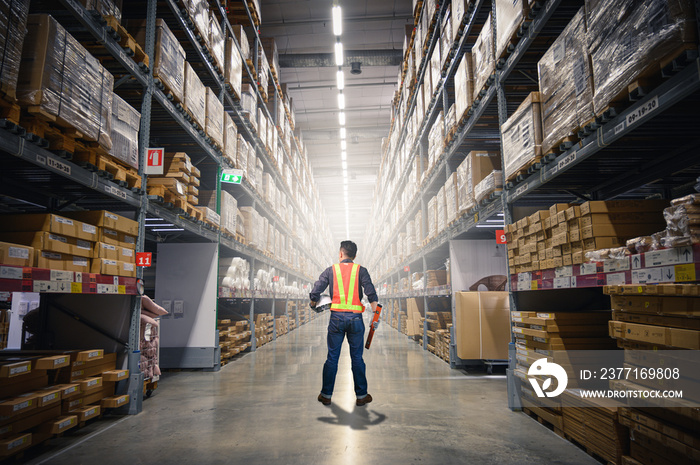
<point x="474" y="168"/>
<point x="195" y="96"/>
<point x="264" y="67"/>
<point x="13" y="28"/>
<point x="242" y="155"/>
<point x="432" y="217"/>
<point x="125" y="132"/>
<point x="270" y="48"/>
<point x="626" y="38"/>
<point x="509" y="15"/>
<point x="522" y="136"/>
<point x="418" y="227"/>
<point x="169" y="61"/>
<point x="217" y="44"/>
<point x="62" y="82"/>
<point x="491" y="183"/>
<point x="103" y="7"/>
<point x="436" y="140"/>
<point x="441" y="209"/>
<point x="242" y="39"/>
<point x="482" y="58"/>
<point x="451" y="198"/>
<point x="254" y="228"/>
<point x="566" y="84"/>
<point x="230" y="140"/>
<point x="214" y="125"/>
<point x="233" y="70"/>
<point x="464" y="87"/>
<point x="199" y="14"/>
<point x="459" y="10"/>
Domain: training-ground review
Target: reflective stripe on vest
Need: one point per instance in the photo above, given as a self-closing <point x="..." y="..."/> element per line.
<point x="340" y="302"/>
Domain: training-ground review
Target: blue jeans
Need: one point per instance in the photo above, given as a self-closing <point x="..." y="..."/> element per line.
<point x="340" y="325"/>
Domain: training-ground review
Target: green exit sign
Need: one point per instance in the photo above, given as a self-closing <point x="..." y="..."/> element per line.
<point x="232" y="176"/>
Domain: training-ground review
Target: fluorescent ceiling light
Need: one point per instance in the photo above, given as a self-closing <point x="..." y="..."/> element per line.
<point x="172" y="229"/>
<point x="345" y="181"/>
<point x="345" y="165"/>
<point x="343" y="155"/>
<point x="494" y="221"/>
<point x="341" y="79"/>
<point x="489" y="225"/>
<point x="345" y="173"/>
<point x="337" y="20"/>
<point x="338" y="54"/>
<point x="155" y="219"/>
<point x="343" y="133"/>
<point x="160" y="225"/>
<point x="341" y="118"/>
<point x="341" y="101"/>
<point x="343" y="145"/>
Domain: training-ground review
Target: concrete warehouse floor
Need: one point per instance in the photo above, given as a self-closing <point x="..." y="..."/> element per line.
<point x="262" y="408"/>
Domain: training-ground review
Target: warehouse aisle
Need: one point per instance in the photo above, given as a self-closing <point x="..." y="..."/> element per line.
<point x="262" y="408"/>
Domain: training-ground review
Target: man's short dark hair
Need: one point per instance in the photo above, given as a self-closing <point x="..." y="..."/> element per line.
<point x="349" y="248"/>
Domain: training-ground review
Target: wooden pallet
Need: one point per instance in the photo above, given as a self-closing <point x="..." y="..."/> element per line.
<point x="417" y="12"/>
<point x="563" y="144"/>
<point x="528" y="168"/>
<point x="240" y="238"/>
<point x="654" y="289"/>
<point x="9" y="111"/>
<point x="128" y="43"/>
<point x="163" y="195"/>
<point x="513" y="40"/>
<point x="48" y="135"/>
<point x="237" y="14"/>
<point x="545" y="421"/>
<point x="194" y="213"/>
<point x="489" y="195"/>
<point x="253" y="71"/>
<point x="92" y="159"/>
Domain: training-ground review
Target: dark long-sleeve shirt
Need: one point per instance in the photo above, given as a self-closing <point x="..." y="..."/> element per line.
<point x="326" y="280"/>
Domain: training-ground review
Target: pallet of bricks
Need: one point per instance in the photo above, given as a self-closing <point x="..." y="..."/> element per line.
<point x="44" y="394"/>
<point x="178" y="187"/>
<point x="234" y="338"/>
<point x="564" y="234"/>
<point x="99" y="133"/>
<point x="263" y="329"/>
<point x="84" y="241"/>
<point x="548" y="335"/>
<point x="657" y="327"/>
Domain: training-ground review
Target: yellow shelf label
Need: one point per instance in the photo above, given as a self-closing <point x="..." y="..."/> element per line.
<point x="121" y="289"/>
<point x="533" y="285"/>
<point x="76" y="288"/>
<point x="685" y="272"/>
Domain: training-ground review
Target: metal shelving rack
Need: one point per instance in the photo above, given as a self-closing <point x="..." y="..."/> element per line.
<point x="29" y="168"/>
<point x="569" y="176"/>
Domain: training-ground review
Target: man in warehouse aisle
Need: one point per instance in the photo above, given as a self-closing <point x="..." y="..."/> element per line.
<point x="346" y="280"/>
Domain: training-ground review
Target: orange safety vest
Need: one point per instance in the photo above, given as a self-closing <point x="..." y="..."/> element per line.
<point x="346" y="281"/>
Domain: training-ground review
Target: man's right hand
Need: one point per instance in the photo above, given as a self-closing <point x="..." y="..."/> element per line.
<point x="312" y="306"/>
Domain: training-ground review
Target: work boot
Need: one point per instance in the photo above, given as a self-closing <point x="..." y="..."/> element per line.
<point x="324" y="400"/>
<point x="365" y="400"/>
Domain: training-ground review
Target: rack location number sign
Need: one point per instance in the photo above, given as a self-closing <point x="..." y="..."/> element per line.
<point x="232" y="176"/>
<point x="407" y="268"/>
<point x="155" y="158"/>
<point x="144" y="259"/>
<point x="501" y="236"/>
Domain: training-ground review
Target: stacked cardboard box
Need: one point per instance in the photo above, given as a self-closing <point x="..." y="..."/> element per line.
<point x="464" y="87"/>
<point x="509" y="16"/>
<point x="442" y="343"/>
<point x="228" y="216"/>
<point x="263" y="328"/>
<point x="596" y="427"/>
<point x="48" y="84"/>
<point x="648" y="319"/>
<point x="126" y="122"/>
<point x="234" y="67"/>
<point x="491" y="184"/>
<point x="437" y="323"/>
<point x="179" y="184"/>
<point x="234" y="338"/>
<point x="15" y="254"/>
<point x="114" y="252"/>
<point x="436" y="140"/>
<point x="475" y="167"/>
<point x="481" y="325"/>
<point x="566" y="85"/>
<point x="484" y="63"/>
<point x="214" y="124"/>
<point x="195" y="97"/>
<point x="562" y="235"/>
<point x="32" y="410"/>
<point x="217" y="44"/>
<point x="522" y="136"/>
<point x="198" y="11"/>
<point x="626" y="42"/>
<point x="282" y="325"/>
<point x="13" y="28"/>
<point x="414" y="315"/>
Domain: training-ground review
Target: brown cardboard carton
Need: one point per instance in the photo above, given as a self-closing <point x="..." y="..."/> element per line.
<point x="59" y="425"/>
<point x="113" y="237"/>
<point x="50" y="242"/>
<point x="113" y="267"/>
<point x="49" y="222"/>
<point x="114" y="401"/>
<point x="14" y="444"/>
<point x="58" y="261"/>
<point x="482" y="325"/>
<point x="106" y="219"/>
<point x="16" y="254"/>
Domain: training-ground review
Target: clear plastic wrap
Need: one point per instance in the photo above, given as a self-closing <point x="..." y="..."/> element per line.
<point x="491" y="183"/>
<point x="451" y="198"/>
<point x="262" y="128"/>
<point x="169" y="62"/>
<point x="231" y="140"/>
<point x="462" y="175"/>
<point x="229" y="209"/>
<point x="522" y="135"/>
<point x="436" y="140"/>
<point x="464" y="87"/>
<point x="253" y="227"/>
<point x="639" y="245"/>
<point x="199" y="14"/>
<point x="450" y="121"/>
<point x="195" y="96"/>
<point x="263" y="70"/>
<point x="64" y="81"/>
<point x="13" y="28"/>
<point x="435" y="68"/>
<point x="682" y="223"/>
<point x="125" y="132"/>
<point x="418" y="226"/>
<point x="242" y="155"/>
<point x="252" y="167"/>
<point x="566" y="84"/>
<point x="103" y="7"/>
<point x="441" y="210"/>
<point x="214" y="125"/>
<point x="432" y="217"/>
<point x="474" y="168"/>
<point x="459" y="9"/>
<point x="482" y="58"/>
<point x="427" y="88"/>
<point x="627" y="37"/>
<point x="616" y="253"/>
<point x="258" y="172"/>
<point x="270" y="47"/>
<point x="446" y="36"/>
<point x="217" y="43"/>
<point x="509" y="16"/>
<point x="249" y="103"/>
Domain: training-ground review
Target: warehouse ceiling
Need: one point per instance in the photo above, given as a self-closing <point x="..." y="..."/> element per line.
<point x="373" y="33"/>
